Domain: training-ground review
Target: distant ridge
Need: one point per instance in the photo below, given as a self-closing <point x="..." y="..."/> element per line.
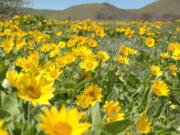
<point x="106" y="11"/>
<point x="96" y="11"/>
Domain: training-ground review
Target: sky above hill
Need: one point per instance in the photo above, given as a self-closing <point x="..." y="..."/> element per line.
<point x="63" y="4"/>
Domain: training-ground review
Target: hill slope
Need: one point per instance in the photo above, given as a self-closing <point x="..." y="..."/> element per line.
<point x="109" y="12"/>
<point x="96" y="11"/>
<point x="91" y="11"/>
<point x="161" y="7"/>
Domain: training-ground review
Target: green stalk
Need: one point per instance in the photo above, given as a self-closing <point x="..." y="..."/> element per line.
<point x="29" y="116"/>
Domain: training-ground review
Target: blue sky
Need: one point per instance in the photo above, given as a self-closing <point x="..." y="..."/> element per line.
<point x="62" y="4"/>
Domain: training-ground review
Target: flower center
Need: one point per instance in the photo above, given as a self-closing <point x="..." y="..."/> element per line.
<point x="62" y="128"/>
<point x="33" y="93"/>
<point x="89" y="65"/>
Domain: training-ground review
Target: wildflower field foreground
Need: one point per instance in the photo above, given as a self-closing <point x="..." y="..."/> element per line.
<point x="88" y="77"/>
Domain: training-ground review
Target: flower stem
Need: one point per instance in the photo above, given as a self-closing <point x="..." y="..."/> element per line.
<point x="29" y="116"/>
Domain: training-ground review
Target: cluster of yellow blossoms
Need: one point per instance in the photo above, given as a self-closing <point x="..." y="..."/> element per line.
<point x="90" y="96"/>
<point x="125" y="52"/>
<point x="175" y="49"/>
<point x="157" y="71"/>
<point x="127" y="31"/>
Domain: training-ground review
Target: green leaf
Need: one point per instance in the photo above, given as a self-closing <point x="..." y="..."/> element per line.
<point x="133" y="81"/>
<point x="9" y="103"/>
<point x="117" y="127"/>
<point x="29" y="131"/>
<point x="2" y="72"/>
<point x="145" y="99"/>
<point x="144" y="56"/>
<point x="159" y="110"/>
<point x="168" y="131"/>
<point x="96" y="117"/>
<point x="4" y="114"/>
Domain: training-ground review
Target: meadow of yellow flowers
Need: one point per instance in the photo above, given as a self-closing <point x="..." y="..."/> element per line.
<point x="89" y="77"/>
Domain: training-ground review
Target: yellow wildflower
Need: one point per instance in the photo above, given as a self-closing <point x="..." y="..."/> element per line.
<point x="58" y="34"/>
<point x="142" y="30"/>
<point x="12" y="77"/>
<point x="165" y="55"/>
<point x="20" y="43"/>
<point x="7" y="45"/>
<point x="61" y="44"/>
<point x="34" y="88"/>
<point x="92" y="43"/>
<point x="54" y="52"/>
<point x="100" y="32"/>
<point x="63" y="122"/>
<point x="89" y="63"/>
<point x="156" y="70"/>
<point x="150" y="42"/>
<point x="127" y="51"/>
<point x="176" y="54"/>
<point x="160" y="88"/>
<point x="143" y="124"/>
<point x="173" y="69"/>
<point x="123" y="60"/>
<point x="82" y="51"/>
<point x="103" y="55"/>
<point x="112" y="110"/>
<point x="52" y="72"/>
<point x="90" y="95"/>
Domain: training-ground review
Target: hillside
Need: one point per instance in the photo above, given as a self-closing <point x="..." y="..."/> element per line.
<point x="92" y="11"/>
<point x="96" y="11"/>
<point x="162" y="7"/>
<point x="105" y="11"/>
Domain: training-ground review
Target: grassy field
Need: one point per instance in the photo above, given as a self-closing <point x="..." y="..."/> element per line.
<point x="89" y="77"/>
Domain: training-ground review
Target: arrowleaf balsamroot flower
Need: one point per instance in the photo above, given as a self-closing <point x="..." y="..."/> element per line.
<point x="92" y="43"/>
<point x="175" y="48"/>
<point x="143" y="124"/>
<point x="89" y="63"/>
<point x="150" y="42"/>
<point x="165" y="55"/>
<point x="103" y="55"/>
<point x="58" y="34"/>
<point x="160" y="88"/>
<point x="12" y="77"/>
<point x="112" y="110"/>
<point x="7" y="45"/>
<point x="176" y="54"/>
<point x="33" y="88"/>
<point x="51" y="71"/>
<point x="82" y="51"/>
<point x="90" y="95"/>
<point x="127" y="51"/>
<point x="123" y="60"/>
<point x="156" y="70"/>
<point x="63" y="122"/>
<point x="173" y="69"/>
